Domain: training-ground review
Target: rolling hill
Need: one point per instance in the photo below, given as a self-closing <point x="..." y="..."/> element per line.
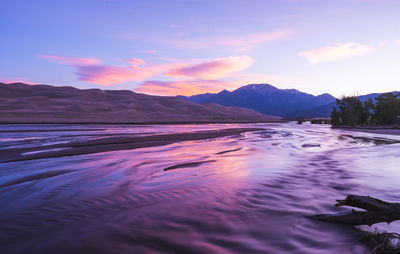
<point x="22" y="103"/>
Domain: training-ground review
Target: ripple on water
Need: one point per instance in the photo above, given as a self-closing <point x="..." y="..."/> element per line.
<point x="241" y="194"/>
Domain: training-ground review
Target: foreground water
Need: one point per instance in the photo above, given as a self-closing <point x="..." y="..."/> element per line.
<point x="248" y="193"/>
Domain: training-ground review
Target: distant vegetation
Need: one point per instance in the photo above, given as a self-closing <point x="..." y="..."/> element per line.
<point x="320" y="121"/>
<point x="351" y="111"/>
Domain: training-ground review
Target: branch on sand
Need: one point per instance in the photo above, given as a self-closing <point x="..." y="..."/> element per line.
<point x="376" y="211"/>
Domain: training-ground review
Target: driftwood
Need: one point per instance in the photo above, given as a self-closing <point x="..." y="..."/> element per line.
<point x="375" y="211"/>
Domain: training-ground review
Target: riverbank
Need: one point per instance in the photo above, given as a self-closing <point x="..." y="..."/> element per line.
<point x="113" y="143"/>
<point x="388" y="130"/>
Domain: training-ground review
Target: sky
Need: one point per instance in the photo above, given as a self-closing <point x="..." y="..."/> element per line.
<point x="186" y="47"/>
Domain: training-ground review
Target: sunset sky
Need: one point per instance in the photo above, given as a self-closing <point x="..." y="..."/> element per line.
<point x="187" y="47"/>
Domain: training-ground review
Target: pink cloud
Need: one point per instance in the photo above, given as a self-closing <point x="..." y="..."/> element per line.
<point x="242" y="43"/>
<point x="185" y="87"/>
<point x="135" y="62"/>
<point x="17" y="80"/>
<point x="89" y="69"/>
<point x="336" y="53"/>
<point x="280" y="80"/>
<point x="110" y="75"/>
<point x="74" y="61"/>
<point x="197" y="86"/>
<point x="150" y="51"/>
<point x="218" y="68"/>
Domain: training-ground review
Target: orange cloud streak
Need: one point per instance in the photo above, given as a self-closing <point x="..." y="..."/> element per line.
<point x="17" y="80"/>
<point x="218" y="68"/>
<point x="89" y="69"/>
<point x="192" y="87"/>
<point x="188" y="87"/>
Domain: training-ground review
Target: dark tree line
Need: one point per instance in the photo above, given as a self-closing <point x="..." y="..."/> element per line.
<point x="351" y="111"/>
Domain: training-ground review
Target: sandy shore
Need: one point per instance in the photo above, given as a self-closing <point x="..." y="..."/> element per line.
<point x="107" y="144"/>
<point x="387" y="131"/>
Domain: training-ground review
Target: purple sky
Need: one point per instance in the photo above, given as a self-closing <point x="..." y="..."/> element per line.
<point x="342" y="47"/>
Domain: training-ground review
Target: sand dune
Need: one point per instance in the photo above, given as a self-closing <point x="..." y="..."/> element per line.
<point x="21" y="103"/>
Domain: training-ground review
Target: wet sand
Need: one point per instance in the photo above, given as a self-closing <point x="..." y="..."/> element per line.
<point x="106" y="144"/>
<point x="374" y="130"/>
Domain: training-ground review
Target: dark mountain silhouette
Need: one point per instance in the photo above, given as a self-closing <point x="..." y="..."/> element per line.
<point x="266" y="99"/>
<point x="21" y="103"/>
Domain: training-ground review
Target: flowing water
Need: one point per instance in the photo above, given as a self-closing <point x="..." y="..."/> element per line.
<point x="248" y="193"/>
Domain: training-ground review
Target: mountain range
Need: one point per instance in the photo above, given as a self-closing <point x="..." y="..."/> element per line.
<point x="267" y="99"/>
<point x="22" y="103"/>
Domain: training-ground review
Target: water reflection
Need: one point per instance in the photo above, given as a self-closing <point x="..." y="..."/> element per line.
<point x="251" y="196"/>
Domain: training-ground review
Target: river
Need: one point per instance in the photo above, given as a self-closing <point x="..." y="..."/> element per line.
<point x="248" y="193"/>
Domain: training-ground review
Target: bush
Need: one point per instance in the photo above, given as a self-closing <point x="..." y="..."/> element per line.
<point x="387" y="109"/>
<point x="351" y="111"/>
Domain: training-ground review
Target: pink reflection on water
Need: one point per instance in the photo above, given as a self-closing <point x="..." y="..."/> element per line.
<point x="251" y="196"/>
